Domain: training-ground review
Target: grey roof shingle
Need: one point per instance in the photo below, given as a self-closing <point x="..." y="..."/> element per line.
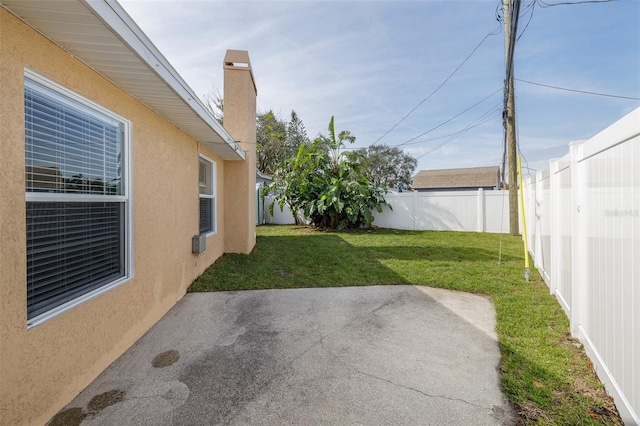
<point x="473" y="177"/>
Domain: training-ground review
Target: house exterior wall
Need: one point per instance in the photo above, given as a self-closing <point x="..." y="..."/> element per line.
<point x="43" y="368"/>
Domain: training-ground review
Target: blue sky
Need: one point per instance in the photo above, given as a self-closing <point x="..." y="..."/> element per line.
<point x="369" y="63"/>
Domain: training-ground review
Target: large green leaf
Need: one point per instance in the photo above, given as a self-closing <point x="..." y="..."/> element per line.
<point x="329" y="187"/>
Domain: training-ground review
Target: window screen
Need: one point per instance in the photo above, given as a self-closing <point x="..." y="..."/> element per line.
<point x="76" y="202"/>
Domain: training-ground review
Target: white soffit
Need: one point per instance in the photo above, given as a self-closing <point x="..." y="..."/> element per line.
<point x="101" y="34"/>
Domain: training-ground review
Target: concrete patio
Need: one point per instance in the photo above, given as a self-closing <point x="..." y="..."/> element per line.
<point x="399" y="355"/>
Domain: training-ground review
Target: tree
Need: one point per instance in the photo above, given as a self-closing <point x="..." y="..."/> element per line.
<point x="271" y="133"/>
<point x="388" y="167"/>
<point x="296" y="133"/>
<point x="327" y="184"/>
<point x="277" y="139"/>
<point x="214" y="103"/>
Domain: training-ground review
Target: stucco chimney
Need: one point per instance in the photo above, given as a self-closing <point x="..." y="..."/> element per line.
<point x="240" y="176"/>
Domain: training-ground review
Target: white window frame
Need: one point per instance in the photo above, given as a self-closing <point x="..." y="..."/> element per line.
<point x="213" y="195"/>
<point x="126" y="198"/>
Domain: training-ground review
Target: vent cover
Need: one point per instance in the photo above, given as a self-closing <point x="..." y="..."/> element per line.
<point x="198" y="244"/>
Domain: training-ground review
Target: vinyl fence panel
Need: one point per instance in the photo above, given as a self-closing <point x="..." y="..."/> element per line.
<point x="475" y="211"/>
<point x="279" y="217"/>
<point x="586" y="244"/>
<point x="542" y="253"/>
<point x="496" y="207"/>
<point x="402" y="215"/>
<point x="451" y="211"/>
<point x="561" y="232"/>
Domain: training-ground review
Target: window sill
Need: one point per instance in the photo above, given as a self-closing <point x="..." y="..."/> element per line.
<point x="59" y="310"/>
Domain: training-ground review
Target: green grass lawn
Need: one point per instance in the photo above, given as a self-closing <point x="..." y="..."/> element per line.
<point x="545" y="373"/>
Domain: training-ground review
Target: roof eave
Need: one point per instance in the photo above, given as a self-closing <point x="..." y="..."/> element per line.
<point x="119" y="21"/>
<point x="171" y="97"/>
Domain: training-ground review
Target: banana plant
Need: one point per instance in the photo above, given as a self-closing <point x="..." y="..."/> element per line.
<point x="328" y="184"/>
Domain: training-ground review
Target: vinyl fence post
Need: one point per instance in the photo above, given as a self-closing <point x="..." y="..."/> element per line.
<point x="554" y="214"/>
<point x="481" y="210"/>
<point x="537" y="242"/>
<point x="415" y="210"/>
<point x="578" y="277"/>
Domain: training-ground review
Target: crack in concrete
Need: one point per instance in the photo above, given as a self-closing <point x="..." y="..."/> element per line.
<point x="289" y="364"/>
<point x="354" y="320"/>
<point x="154" y="396"/>
<point x="316" y="328"/>
<point x="338" y="359"/>
<point x="414" y="389"/>
<point x="322" y="340"/>
<point x="373" y="376"/>
<point x="317" y="322"/>
<point x="389" y="302"/>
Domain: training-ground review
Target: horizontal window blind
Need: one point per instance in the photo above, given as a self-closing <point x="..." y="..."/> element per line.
<point x="76" y="240"/>
<point x="206" y="216"/>
<point x="204" y="177"/>
<point x="72" y="249"/>
<point x="207" y="197"/>
<point x="69" y="148"/>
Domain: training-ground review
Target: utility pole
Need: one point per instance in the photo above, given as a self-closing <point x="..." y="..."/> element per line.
<point x="510" y="110"/>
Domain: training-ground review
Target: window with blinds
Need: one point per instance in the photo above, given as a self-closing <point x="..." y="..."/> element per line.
<point x="207" y="191"/>
<point x="77" y="205"/>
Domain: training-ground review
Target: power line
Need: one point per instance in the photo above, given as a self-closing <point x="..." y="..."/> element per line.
<point x="440" y="145"/>
<point x="543" y="4"/>
<point x="531" y="6"/>
<point x="451" y="118"/>
<point x="579" y="91"/>
<point x="485" y="117"/>
<point x="439" y="87"/>
<point x="518" y="146"/>
<point x="495" y="108"/>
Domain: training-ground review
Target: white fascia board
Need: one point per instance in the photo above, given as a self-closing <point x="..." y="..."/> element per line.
<point x="115" y="17"/>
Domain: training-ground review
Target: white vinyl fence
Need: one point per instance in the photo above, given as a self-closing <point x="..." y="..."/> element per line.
<point x="480" y="211"/>
<point x="283" y="217"/>
<point x="583" y="214"/>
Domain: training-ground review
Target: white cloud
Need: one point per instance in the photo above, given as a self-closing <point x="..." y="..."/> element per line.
<point x="369" y="63"/>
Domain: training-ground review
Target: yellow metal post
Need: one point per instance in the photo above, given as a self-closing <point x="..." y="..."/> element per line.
<point x="527" y="271"/>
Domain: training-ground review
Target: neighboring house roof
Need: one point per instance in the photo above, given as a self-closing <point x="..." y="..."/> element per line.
<point x="262" y="175"/>
<point x="263" y="178"/>
<point x="101" y="34"/>
<point x="474" y="177"/>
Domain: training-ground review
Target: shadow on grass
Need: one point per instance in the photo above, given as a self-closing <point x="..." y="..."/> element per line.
<point x="317" y="248"/>
<point x="319" y="259"/>
<point x="296" y="261"/>
<point x="549" y="396"/>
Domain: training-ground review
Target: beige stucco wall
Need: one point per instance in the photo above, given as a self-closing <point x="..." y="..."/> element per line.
<point x="239" y="120"/>
<point x="43" y="368"/>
